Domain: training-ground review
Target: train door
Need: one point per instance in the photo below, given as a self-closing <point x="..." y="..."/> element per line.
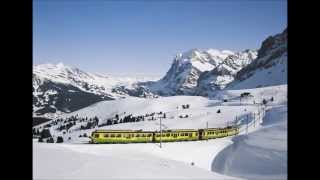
<point x="153" y="137"/>
<point x="200" y="134"/>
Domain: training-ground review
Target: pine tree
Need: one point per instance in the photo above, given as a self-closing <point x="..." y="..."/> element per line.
<point x="50" y="140"/>
<point x="59" y="139"/>
<point x="45" y="133"/>
<point x="264" y="101"/>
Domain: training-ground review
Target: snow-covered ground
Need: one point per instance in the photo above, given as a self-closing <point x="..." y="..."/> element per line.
<point x="117" y="161"/>
<point x="260" y="155"/>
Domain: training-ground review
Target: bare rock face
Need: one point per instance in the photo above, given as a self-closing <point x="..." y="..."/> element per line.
<point x="268" y="55"/>
<point x="272" y="42"/>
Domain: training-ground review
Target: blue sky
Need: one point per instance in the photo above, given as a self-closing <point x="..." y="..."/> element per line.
<point x="130" y="37"/>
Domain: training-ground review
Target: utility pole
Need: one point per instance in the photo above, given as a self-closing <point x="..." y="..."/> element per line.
<point x="247" y="124"/>
<point x="258" y="113"/>
<point x="160" y="133"/>
<point x="254" y="120"/>
<point x="177" y="112"/>
<point x="263" y="114"/>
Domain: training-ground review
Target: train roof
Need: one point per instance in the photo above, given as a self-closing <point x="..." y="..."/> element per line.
<point x="180" y="130"/>
<point x="119" y="131"/>
<point x="157" y="131"/>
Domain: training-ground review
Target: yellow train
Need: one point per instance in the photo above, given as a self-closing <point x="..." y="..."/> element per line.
<point x="139" y="136"/>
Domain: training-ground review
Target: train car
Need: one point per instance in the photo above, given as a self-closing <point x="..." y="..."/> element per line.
<point x="139" y="136"/>
<point x="121" y="136"/>
<point x="212" y="133"/>
<point x="177" y="135"/>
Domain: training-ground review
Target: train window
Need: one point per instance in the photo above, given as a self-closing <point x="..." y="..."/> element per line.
<point x="112" y="135"/>
<point x="168" y="135"/>
<point x="137" y="135"/>
<point x="143" y="135"/>
<point x="196" y="134"/>
<point x="106" y="135"/>
<point x="96" y="135"/>
<point x="149" y="135"/>
<point x="190" y="134"/>
<point x="119" y="135"/>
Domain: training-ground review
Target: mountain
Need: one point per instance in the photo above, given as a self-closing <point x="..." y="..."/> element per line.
<point x="269" y="68"/>
<point x="62" y="89"/>
<point x="183" y="75"/>
<point x="224" y="73"/>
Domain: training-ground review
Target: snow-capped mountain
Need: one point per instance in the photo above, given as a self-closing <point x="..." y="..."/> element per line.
<point x="224" y="73"/>
<point x="270" y="67"/>
<point x="186" y="69"/>
<point x="60" y="88"/>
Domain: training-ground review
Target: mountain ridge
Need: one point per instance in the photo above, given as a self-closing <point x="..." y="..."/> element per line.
<point x="58" y="88"/>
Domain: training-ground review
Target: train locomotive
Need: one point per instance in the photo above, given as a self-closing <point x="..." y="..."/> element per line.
<point x="174" y="135"/>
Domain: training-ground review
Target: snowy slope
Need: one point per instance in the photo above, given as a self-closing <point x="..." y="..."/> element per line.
<point x="264" y="151"/>
<point x="61" y="73"/>
<point x="201" y="111"/>
<point x="61" y="89"/>
<point x="174" y="159"/>
<point x="132" y="161"/>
